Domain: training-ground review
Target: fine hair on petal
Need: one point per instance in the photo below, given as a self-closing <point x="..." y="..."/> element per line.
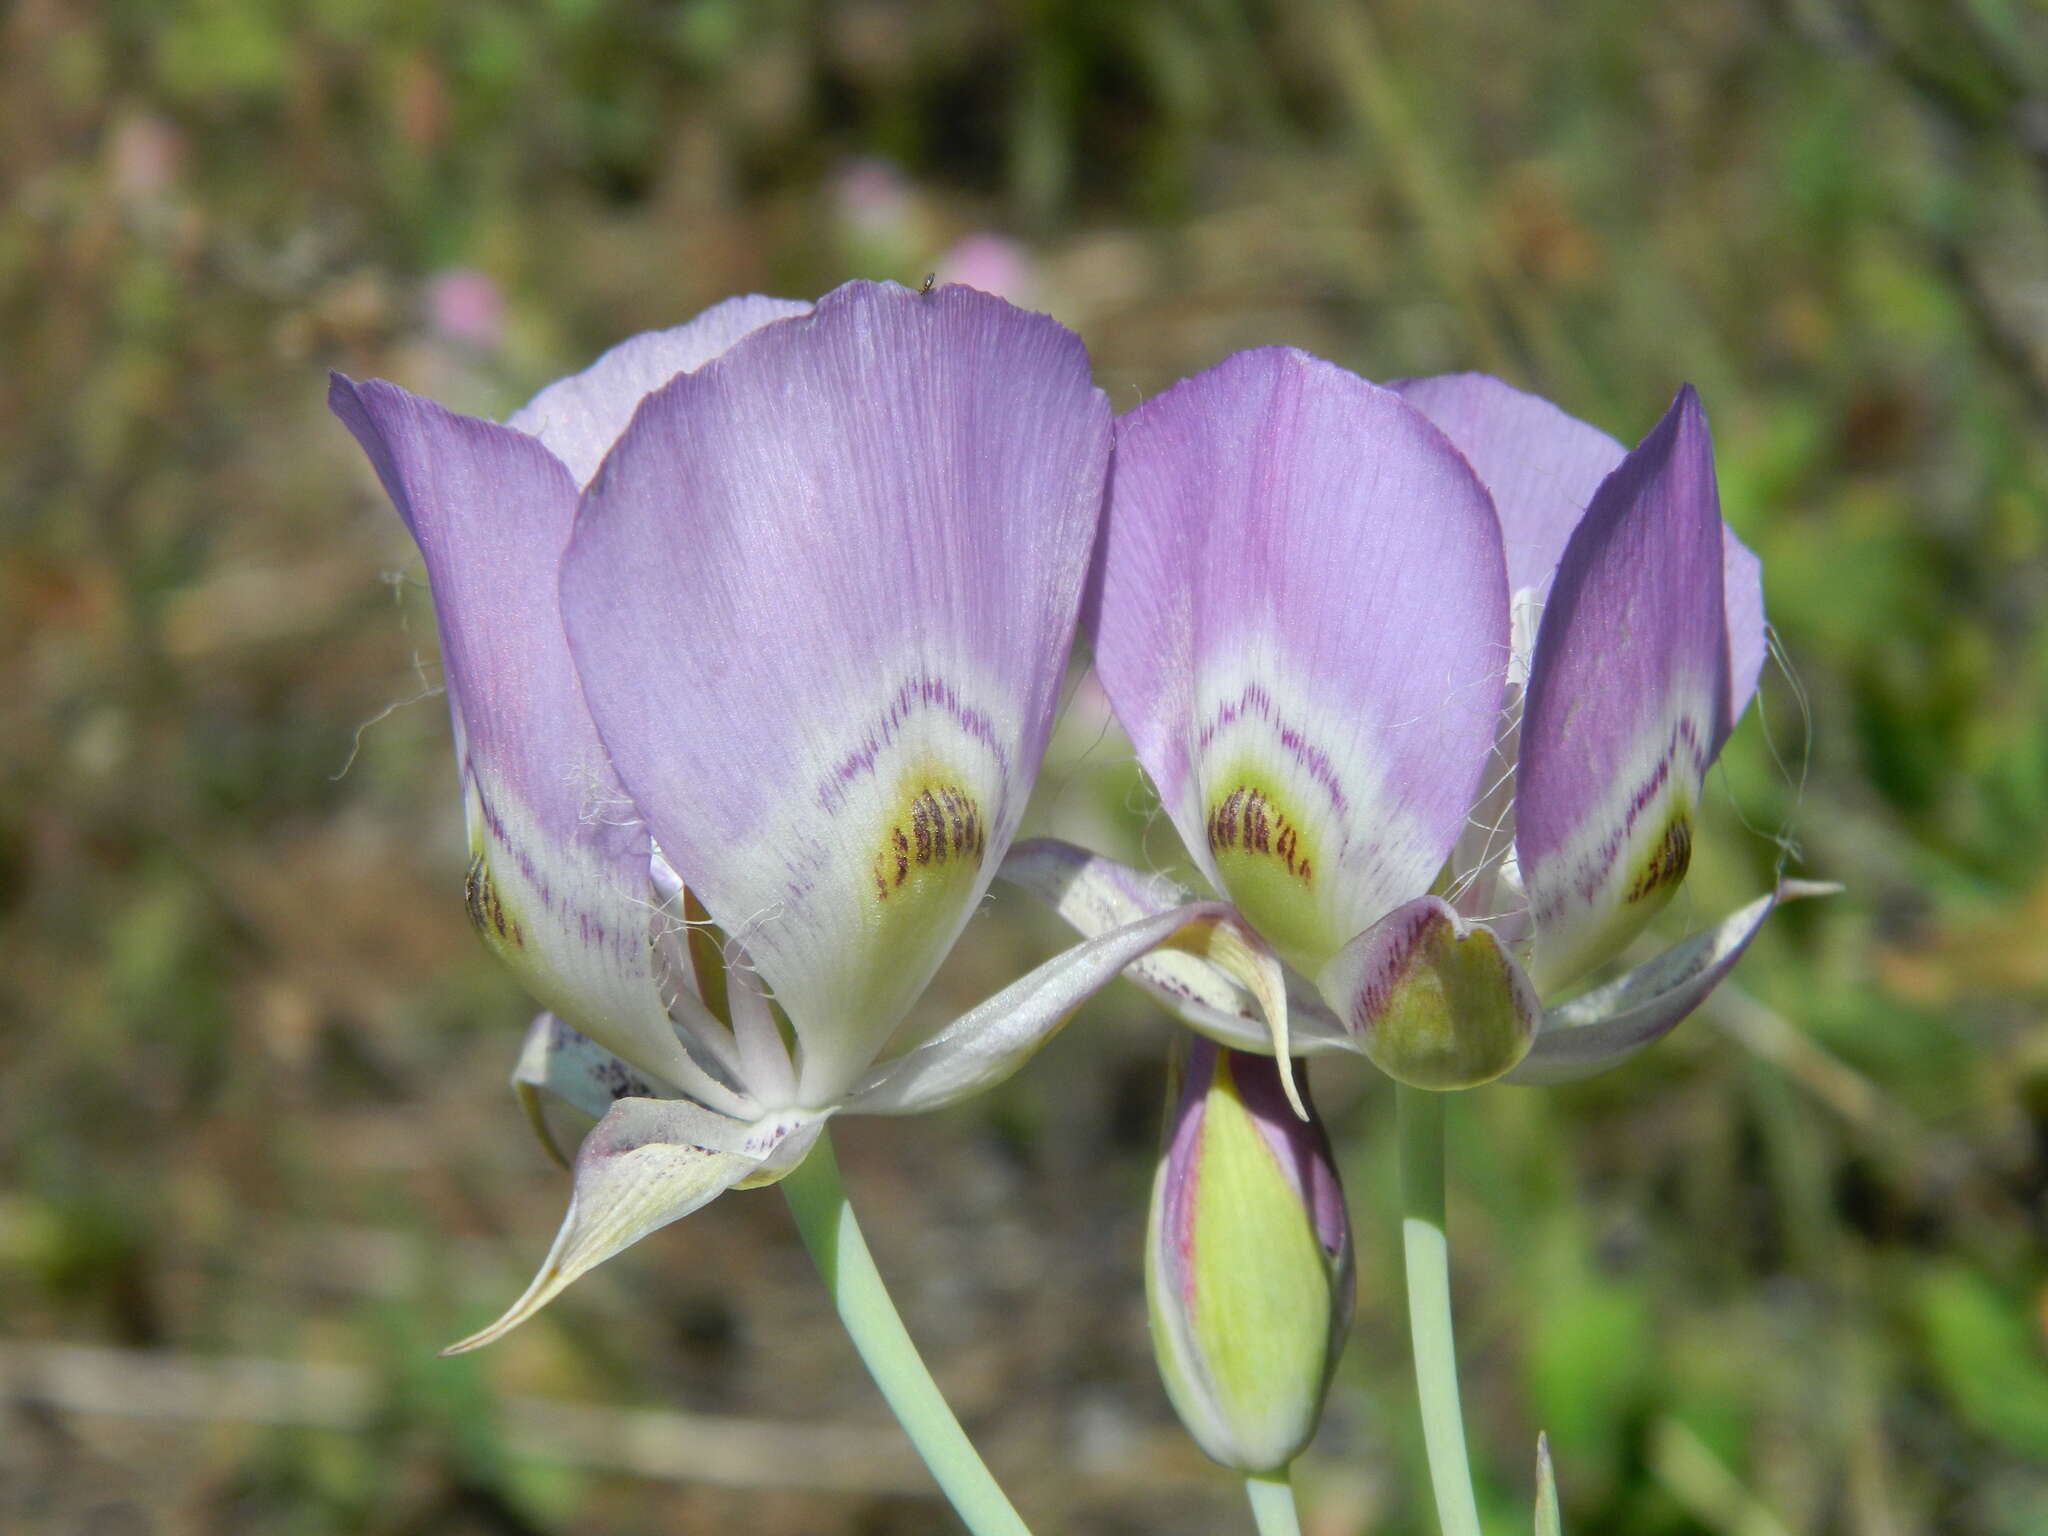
<point x="1055" y="791"/>
<point x="604" y="803"/>
<point x="397" y="581"/>
<point x="1794" y="773"/>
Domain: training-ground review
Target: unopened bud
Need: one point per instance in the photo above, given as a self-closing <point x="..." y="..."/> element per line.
<point x="1248" y="1263"/>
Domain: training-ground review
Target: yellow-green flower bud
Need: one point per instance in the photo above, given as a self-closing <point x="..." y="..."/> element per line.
<point x="1248" y="1269"/>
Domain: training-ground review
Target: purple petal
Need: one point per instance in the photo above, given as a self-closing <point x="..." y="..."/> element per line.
<point x="1742" y="583"/>
<point x="1434" y="1001"/>
<point x="558" y="887"/>
<point x="1627" y="702"/>
<point x="1604" y="1027"/>
<point x="580" y="417"/>
<point x="821" y="599"/>
<point x="1541" y="466"/>
<point x="1303" y="626"/>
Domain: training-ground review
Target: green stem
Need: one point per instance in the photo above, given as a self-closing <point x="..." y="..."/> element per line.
<point x="834" y="1239"/>
<point x="1273" y="1503"/>
<point x="1421" y="1117"/>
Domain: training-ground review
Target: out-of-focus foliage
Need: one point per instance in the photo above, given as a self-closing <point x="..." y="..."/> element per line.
<point x="1783" y="1274"/>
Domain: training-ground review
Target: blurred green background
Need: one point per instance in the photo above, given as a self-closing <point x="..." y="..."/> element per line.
<point x="1784" y="1274"/>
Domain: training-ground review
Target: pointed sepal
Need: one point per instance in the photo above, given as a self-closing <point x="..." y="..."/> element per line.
<point x="1435" y="1001"/>
<point x="1604" y="1027"/>
<point x="647" y="1163"/>
<point x="1548" y="1521"/>
<point x="1095" y="895"/>
<point x="988" y="1043"/>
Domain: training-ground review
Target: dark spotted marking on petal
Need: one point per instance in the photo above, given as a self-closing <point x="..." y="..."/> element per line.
<point x="940" y="824"/>
<point x="1246" y="820"/>
<point x="1667" y="864"/>
<point x="486" y="912"/>
<point x="1267" y="854"/>
<point x="622" y="1082"/>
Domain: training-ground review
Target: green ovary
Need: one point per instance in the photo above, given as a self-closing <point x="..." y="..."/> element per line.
<point x="1269" y="864"/>
<point x="1452" y="1021"/>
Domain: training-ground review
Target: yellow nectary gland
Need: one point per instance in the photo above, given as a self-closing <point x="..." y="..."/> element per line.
<point x="1647" y="870"/>
<point x="937" y="830"/>
<point x="923" y="874"/>
<point x="487" y="912"/>
<point x="1659" y="875"/>
<point x="1268" y="859"/>
<point x="1247" y="821"/>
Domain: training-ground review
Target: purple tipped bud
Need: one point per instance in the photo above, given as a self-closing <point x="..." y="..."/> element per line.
<point x="1248" y="1261"/>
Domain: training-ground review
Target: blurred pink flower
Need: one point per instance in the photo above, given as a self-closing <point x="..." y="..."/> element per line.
<point x="872" y="198"/>
<point x="994" y="264"/>
<point x="144" y="157"/>
<point x="466" y="305"/>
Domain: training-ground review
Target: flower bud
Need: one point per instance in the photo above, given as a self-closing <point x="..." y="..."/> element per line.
<point x="1248" y="1270"/>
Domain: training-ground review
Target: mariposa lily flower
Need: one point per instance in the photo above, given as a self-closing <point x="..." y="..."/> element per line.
<point x="1428" y="679"/>
<point x="752" y="635"/>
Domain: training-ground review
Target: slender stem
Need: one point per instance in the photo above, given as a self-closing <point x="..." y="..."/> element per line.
<point x="1273" y="1503"/>
<point x="1421" y="1117"/>
<point x="818" y="1199"/>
